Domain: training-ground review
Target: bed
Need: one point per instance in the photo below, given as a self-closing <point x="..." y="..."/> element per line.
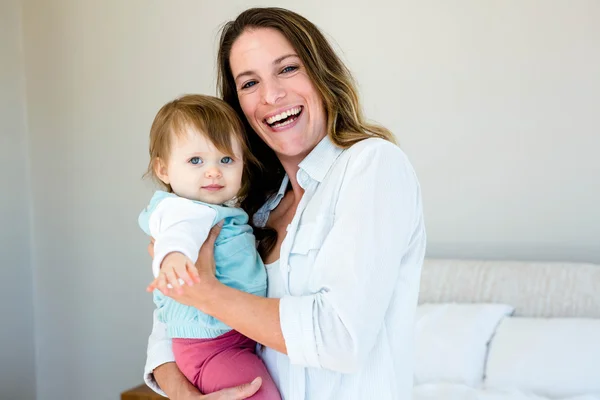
<point x="498" y="330"/>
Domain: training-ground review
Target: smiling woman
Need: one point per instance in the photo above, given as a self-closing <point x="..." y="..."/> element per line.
<point x="337" y="212"/>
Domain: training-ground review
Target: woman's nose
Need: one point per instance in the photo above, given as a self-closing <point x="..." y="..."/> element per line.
<point x="272" y="91"/>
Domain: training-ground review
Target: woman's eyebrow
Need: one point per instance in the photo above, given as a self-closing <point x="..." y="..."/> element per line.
<point x="277" y="61"/>
<point x="280" y="59"/>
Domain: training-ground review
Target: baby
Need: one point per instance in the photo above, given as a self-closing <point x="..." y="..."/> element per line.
<point x="199" y="154"/>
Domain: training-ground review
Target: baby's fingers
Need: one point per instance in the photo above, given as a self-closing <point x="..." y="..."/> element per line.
<point x="184" y="276"/>
<point x="162" y="283"/>
<point x="173" y="280"/>
<point x="193" y="273"/>
<point x="152" y="286"/>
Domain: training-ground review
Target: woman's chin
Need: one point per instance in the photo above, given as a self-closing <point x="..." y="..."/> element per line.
<point x="292" y="151"/>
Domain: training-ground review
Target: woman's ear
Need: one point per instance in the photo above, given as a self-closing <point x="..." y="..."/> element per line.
<point x="161" y="170"/>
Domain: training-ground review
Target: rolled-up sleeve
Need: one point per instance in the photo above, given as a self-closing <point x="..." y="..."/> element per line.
<point x="358" y="265"/>
<point x="160" y="351"/>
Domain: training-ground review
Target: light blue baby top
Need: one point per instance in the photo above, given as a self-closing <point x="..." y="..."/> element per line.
<point x="238" y="265"/>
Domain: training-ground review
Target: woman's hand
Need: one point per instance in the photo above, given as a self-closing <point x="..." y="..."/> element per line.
<point x="177" y="387"/>
<point x="191" y="294"/>
<point x="235" y="393"/>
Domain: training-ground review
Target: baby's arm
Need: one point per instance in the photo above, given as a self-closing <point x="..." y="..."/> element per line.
<point x="179" y="225"/>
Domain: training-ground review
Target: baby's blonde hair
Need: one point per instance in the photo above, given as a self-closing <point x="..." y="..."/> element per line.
<point x="208" y="115"/>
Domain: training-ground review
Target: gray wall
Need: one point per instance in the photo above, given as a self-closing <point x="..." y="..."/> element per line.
<point x="17" y="349"/>
<point x="495" y="103"/>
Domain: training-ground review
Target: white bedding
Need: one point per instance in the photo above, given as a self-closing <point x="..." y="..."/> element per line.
<point x="447" y="391"/>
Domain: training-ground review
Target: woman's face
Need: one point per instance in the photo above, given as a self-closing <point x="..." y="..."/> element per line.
<point x="276" y="94"/>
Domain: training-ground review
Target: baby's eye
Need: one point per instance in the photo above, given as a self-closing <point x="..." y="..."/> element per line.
<point x="195" y="160"/>
<point x="226" y="160"/>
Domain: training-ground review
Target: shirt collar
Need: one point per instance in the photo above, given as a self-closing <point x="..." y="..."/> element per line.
<point x="314" y="167"/>
<point x="272" y="202"/>
<point x="281" y="192"/>
<point x="318" y="162"/>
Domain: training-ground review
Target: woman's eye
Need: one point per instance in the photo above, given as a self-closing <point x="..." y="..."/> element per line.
<point x="248" y="84"/>
<point x="226" y="160"/>
<point x="289" y="69"/>
<point x="195" y="160"/>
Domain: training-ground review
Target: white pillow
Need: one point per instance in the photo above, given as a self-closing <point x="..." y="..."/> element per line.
<point x="451" y="341"/>
<point x="554" y="357"/>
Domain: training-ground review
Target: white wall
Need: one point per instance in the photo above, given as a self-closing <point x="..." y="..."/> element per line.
<point x="17" y="349"/>
<point x="493" y="101"/>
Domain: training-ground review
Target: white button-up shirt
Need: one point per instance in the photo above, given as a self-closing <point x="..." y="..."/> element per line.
<point x="348" y="277"/>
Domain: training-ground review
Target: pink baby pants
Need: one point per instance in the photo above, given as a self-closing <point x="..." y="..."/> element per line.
<point x="225" y="361"/>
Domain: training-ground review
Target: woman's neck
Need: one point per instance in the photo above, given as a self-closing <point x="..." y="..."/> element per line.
<point x="291" y="166"/>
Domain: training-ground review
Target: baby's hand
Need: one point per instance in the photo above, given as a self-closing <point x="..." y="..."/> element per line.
<point x="175" y="270"/>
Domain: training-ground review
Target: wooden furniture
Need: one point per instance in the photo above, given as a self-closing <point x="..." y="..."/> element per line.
<point x="141" y="392"/>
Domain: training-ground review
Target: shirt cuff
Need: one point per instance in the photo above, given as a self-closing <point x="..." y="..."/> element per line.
<point x="154" y="361"/>
<point x="161" y="353"/>
<point x="297" y="326"/>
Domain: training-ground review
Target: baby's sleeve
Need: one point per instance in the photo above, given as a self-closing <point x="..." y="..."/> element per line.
<point x="178" y="224"/>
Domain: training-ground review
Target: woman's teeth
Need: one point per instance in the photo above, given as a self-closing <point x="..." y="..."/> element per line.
<point x="286" y="122"/>
<point x="293" y="112"/>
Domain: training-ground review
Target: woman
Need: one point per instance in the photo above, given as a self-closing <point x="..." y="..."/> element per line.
<point x="338" y="214"/>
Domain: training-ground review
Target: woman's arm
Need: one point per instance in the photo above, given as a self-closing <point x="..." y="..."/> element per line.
<point x="174" y="383"/>
<point x="254" y="316"/>
<point x="177" y="387"/>
<point x="159" y="352"/>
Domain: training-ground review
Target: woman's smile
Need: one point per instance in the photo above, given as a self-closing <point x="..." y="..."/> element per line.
<point x="284" y="119"/>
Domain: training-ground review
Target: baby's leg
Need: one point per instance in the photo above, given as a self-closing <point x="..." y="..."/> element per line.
<point x="226" y="361"/>
<point x="236" y="366"/>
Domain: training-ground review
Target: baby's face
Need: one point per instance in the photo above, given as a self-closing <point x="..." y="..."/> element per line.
<point x="197" y="170"/>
